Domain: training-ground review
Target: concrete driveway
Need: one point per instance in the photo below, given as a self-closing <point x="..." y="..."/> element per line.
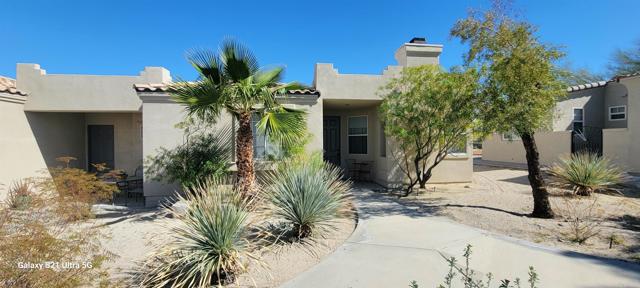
<point x="394" y="244"/>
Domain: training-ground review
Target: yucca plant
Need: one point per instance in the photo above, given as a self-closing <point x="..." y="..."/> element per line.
<point x="210" y="241"/>
<point x="586" y="172"/>
<point x="308" y="194"/>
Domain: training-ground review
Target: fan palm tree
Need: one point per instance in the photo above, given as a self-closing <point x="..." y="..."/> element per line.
<point x="231" y="80"/>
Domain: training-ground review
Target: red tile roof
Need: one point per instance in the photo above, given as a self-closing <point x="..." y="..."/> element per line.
<point x="160" y="87"/>
<point x="8" y="85"/>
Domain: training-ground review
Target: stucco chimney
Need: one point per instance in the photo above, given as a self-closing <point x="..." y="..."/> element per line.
<point x="418" y="52"/>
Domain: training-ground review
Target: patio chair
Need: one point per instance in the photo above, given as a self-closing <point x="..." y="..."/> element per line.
<point x="351" y="168"/>
<point x="364" y="171"/>
<point x="123" y="186"/>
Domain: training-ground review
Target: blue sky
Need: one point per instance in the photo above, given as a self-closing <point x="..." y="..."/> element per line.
<point x="120" y="37"/>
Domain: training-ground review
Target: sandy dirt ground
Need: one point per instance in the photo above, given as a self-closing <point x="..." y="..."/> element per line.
<point x="499" y="200"/>
<point x="131" y="234"/>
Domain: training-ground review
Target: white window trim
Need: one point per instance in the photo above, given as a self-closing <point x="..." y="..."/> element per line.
<point x="617" y="113"/>
<point x="358" y="135"/>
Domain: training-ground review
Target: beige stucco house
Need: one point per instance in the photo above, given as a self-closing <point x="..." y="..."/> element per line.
<point x="122" y="120"/>
<point x="601" y="116"/>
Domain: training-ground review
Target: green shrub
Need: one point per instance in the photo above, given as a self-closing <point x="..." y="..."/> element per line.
<point x="210" y="242"/>
<point x="585" y="173"/>
<point x="307" y="194"/>
<point x="202" y="155"/>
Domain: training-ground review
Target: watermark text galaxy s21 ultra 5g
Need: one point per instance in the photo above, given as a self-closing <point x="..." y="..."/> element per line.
<point x="55" y="265"/>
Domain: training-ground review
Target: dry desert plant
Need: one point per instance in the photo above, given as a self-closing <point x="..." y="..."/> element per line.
<point x="584" y="218"/>
<point x="20" y="194"/>
<point x="39" y="248"/>
<point x="211" y="240"/>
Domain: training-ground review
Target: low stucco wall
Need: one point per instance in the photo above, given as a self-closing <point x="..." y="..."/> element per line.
<point x="551" y="146"/>
<point x="615" y="146"/>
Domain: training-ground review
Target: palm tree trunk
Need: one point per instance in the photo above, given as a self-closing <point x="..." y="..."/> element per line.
<point x="245" y="177"/>
<point x="541" y="205"/>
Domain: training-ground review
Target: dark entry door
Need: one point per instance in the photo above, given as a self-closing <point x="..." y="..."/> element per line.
<point x="331" y="141"/>
<point x="100" y="144"/>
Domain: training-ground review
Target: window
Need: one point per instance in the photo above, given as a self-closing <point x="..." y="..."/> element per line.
<point x="458" y="149"/>
<point x="262" y="147"/>
<point x="617" y="113"/>
<point x="510" y="136"/>
<point x="383" y="141"/>
<point x="578" y="119"/>
<point x="357" y="128"/>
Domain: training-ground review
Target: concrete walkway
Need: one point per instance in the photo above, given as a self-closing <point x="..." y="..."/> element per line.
<point x="393" y="245"/>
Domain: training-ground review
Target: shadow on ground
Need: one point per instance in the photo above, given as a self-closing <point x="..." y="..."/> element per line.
<point x="374" y="203"/>
<point x="112" y="214"/>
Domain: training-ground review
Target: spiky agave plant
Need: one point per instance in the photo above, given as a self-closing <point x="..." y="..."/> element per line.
<point x="210" y="239"/>
<point x="586" y="173"/>
<point x="308" y="194"/>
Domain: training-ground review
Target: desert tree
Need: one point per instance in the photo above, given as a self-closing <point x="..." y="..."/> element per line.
<point x="231" y="80"/>
<point x="626" y="61"/>
<point x="520" y="84"/>
<point x="427" y="112"/>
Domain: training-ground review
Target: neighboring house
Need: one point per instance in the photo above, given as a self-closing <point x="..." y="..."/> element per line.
<point x="122" y="120"/>
<point x="602" y="116"/>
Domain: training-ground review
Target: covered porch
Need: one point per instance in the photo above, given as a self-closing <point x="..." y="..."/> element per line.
<point x="108" y="138"/>
<point x="353" y="138"/>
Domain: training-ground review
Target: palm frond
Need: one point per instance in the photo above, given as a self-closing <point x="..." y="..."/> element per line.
<point x="202" y="98"/>
<point x="238" y="61"/>
<point x="283" y="125"/>
<point x="269" y="78"/>
<point x="207" y="63"/>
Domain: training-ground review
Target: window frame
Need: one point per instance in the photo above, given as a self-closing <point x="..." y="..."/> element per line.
<point x="460" y="154"/>
<point x="573" y="118"/>
<point x="618" y="113"/>
<point x="349" y="135"/>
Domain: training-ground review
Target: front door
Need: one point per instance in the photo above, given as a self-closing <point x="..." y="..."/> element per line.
<point x="100" y="145"/>
<point x="331" y="141"/>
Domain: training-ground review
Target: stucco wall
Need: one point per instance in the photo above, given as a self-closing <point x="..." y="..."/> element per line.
<point x="20" y="155"/>
<point x="334" y="85"/>
<point x="591" y="100"/>
<point x="159" y="117"/>
<point x="59" y="134"/>
<point x="633" y="121"/>
<point x="551" y="146"/>
<point x="616" y="95"/>
<point x="31" y="141"/>
<point x="615" y="146"/>
<point x="83" y="93"/>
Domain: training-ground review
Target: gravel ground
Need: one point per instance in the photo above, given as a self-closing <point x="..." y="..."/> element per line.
<point x="499" y="200"/>
<point x="133" y="232"/>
